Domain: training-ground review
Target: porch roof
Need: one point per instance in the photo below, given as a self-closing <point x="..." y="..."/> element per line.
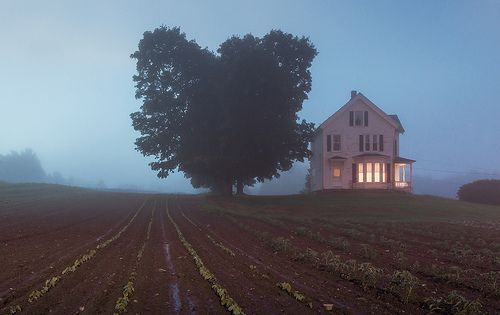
<point x="399" y="159"/>
<point x="337" y="158"/>
<point x="370" y="155"/>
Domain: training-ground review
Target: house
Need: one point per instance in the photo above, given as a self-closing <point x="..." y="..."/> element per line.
<point x="358" y="148"/>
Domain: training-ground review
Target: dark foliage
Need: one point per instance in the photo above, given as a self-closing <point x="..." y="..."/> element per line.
<point x="222" y="118"/>
<point x="485" y="191"/>
<point x="21" y="167"/>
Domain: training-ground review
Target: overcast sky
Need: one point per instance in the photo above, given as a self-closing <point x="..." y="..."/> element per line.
<point x="66" y="87"/>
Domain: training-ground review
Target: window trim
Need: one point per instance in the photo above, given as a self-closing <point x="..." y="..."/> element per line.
<point x="339" y="143"/>
<point x="361" y="117"/>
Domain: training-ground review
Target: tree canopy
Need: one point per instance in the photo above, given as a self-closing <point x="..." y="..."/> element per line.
<point x="227" y="116"/>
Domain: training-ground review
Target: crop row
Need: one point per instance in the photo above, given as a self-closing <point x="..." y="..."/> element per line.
<point x="128" y="289"/>
<point x="287" y="287"/>
<point x="54" y="280"/>
<point x="221" y="246"/>
<point x="400" y="283"/>
<point x="225" y="299"/>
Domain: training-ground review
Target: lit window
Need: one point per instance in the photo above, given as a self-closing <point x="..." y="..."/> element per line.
<point x="377" y="173"/>
<point x="383" y="173"/>
<point x="361" y="177"/>
<point x="368" y="172"/>
<point x="336" y="172"/>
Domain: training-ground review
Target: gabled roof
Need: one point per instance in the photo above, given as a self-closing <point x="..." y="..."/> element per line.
<point x="391" y="119"/>
<point x="400" y="125"/>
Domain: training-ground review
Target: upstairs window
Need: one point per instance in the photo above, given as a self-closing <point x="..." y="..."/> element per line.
<point x="367" y="142"/>
<point x="375" y="142"/>
<point x="358" y="118"/>
<point x="328" y="143"/>
<point x="336" y="143"/>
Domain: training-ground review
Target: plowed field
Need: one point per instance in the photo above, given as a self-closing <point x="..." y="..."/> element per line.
<point x="69" y="251"/>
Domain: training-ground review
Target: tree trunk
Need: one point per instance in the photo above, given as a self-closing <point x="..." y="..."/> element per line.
<point x="239" y="187"/>
<point x="226" y="187"/>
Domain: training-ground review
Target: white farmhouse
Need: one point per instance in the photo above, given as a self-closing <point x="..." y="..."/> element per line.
<point x="358" y="148"/>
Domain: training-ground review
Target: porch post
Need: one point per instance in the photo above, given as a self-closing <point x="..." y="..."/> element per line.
<point x="411" y="177"/>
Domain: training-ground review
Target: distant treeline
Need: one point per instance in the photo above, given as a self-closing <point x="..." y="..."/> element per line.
<point x="485" y="191"/>
<point x="25" y="167"/>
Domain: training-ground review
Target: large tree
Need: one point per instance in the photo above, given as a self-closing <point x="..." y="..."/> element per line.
<point x="227" y="117"/>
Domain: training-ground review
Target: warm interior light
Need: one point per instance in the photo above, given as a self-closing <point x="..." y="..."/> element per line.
<point x="377" y="173"/>
<point x="368" y="172"/>
<point x="360" y="173"/>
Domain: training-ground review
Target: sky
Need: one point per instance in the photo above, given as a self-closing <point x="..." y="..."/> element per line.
<point x="66" y="88"/>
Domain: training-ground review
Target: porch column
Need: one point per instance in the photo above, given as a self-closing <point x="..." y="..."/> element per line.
<point x="411" y="177"/>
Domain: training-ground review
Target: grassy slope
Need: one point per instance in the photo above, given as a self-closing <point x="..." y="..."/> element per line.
<point x="346" y="205"/>
<point x="374" y="206"/>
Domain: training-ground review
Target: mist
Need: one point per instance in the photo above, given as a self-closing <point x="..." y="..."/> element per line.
<point x="67" y="89"/>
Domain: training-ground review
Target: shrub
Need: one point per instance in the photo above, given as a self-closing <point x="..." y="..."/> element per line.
<point x="481" y="191"/>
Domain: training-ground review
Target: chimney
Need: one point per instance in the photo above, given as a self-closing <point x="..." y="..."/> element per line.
<point x="353" y="93"/>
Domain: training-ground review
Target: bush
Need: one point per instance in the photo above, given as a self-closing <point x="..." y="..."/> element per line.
<point x="481" y="191"/>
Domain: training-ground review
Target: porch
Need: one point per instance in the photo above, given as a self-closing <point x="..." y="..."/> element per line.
<point x="377" y="171"/>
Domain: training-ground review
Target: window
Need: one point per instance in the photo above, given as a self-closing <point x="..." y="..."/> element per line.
<point x="328" y="143"/>
<point x="358" y="118"/>
<point x="368" y="172"/>
<point x="337" y="171"/>
<point x="381" y="143"/>
<point x="376" y="173"/>
<point x="361" y="145"/>
<point x="367" y="142"/>
<point x="383" y="173"/>
<point x="336" y="142"/>
<point x="375" y="143"/>
<point x="360" y="173"/>
<point x="372" y="172"/>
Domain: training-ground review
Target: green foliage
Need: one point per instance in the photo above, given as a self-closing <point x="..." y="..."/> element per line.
<point x="287" y="287"/>
<point x="123" y="301"/>
<point x="225" y="299"/>
<point x="221" y="246"/>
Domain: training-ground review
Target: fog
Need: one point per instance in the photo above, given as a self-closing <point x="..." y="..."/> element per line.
<point x="67" y="92"/>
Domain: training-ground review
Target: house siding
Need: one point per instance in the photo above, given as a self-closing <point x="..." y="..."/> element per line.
<point x="339" y="124"/>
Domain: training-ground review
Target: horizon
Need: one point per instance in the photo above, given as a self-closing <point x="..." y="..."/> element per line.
<point x="69" y="92"/>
